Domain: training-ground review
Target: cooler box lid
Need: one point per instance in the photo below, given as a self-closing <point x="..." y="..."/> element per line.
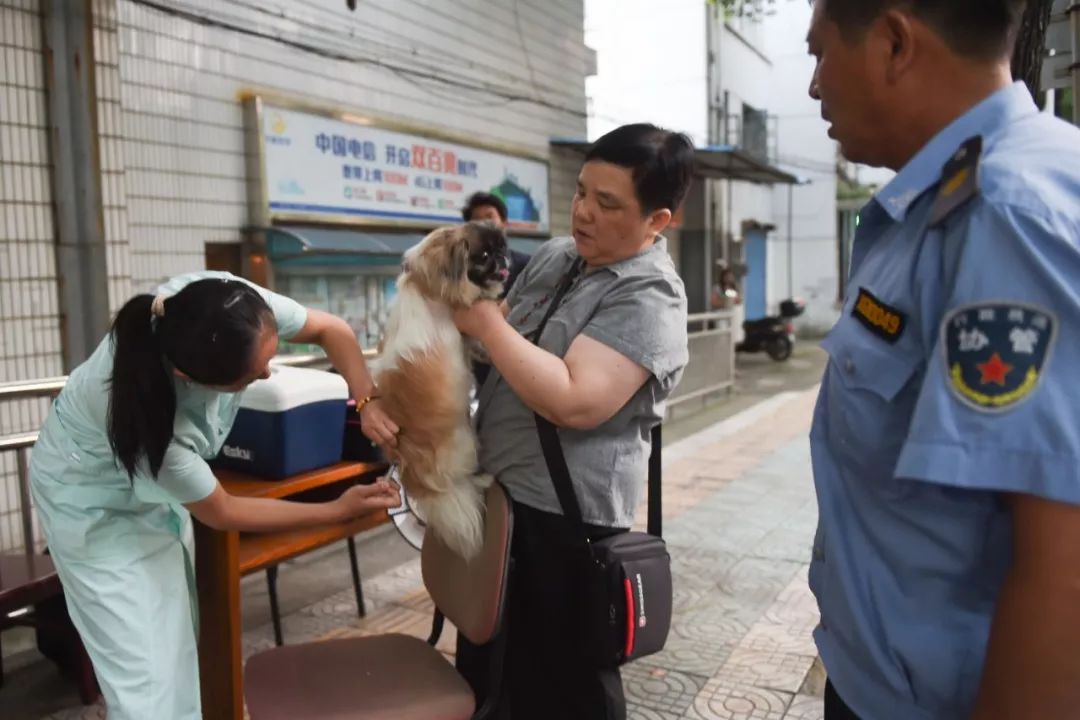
<point x="291" y="387"/>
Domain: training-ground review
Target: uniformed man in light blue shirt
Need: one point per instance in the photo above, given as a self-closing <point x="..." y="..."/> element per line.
<point x="946" y="439"/>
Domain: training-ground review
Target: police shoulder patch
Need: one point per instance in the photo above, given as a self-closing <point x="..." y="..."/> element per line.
<point x="995" y="352"/>
<point x="959" y="180"/>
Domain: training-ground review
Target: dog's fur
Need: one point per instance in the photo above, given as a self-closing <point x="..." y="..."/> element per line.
<point x="423" y="376"/>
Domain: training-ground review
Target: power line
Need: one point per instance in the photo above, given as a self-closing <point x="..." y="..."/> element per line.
<point x="401" y="71"/>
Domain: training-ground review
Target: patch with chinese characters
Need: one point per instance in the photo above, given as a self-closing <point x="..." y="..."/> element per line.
<point x="996" y="352"/>
<point x="883" y="320"/>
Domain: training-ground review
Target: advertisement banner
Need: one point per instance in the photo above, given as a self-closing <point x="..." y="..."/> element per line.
<point x="316" y="165"/>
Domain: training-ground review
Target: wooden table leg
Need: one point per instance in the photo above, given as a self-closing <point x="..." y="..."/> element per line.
<point x="217" y="573"/>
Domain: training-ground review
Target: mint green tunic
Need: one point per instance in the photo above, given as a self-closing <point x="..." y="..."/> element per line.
<point x="123" y="549"/>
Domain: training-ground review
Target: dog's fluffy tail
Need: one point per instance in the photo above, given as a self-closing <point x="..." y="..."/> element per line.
<point x="457" y="515"/>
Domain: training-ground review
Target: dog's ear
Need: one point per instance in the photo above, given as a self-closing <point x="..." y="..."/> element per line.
<point x="439" y="266"/>
<point x="457" y="255"/>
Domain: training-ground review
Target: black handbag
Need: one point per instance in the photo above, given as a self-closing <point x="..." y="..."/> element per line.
<point x="626" y="577"/>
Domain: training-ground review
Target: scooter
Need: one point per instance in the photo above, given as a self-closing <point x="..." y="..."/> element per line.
<point x="775" y="335"/>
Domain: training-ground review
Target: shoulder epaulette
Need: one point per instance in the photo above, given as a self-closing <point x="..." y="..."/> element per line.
<point x="959" y="180"/>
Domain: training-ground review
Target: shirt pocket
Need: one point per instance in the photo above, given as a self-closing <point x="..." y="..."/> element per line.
<point x="870" y="394"/>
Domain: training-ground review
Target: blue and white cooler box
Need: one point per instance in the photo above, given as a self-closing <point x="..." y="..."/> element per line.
<point x="292" y="422"/>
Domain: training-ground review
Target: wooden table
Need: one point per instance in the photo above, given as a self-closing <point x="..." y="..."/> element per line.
<point x="222" y="558"/>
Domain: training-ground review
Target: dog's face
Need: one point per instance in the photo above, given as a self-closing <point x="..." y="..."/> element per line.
<point x="460" y="264"/>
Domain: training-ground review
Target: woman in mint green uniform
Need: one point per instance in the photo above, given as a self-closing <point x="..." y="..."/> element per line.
<point x="120" y="467"/>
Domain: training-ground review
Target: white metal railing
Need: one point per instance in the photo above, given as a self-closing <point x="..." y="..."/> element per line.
<point x="20" y="443"/>
<point x="711" y="368"/>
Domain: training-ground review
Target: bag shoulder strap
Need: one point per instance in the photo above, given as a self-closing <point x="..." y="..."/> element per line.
<point x="553" y="451"/>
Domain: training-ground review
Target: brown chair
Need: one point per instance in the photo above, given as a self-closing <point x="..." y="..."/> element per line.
<point x="397" y="677"/>
<point x="29" y="583"/>
<point x="31" y="596"/>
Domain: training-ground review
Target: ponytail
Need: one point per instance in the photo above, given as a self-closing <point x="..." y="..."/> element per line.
<point x="142" y="400"/>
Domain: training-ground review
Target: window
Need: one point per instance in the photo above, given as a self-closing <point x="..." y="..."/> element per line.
<point x="362" y="300"/>
<point x="755" y="131"/>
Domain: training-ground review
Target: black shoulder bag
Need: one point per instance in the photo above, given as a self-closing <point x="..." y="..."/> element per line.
<point x="627" y="577"/>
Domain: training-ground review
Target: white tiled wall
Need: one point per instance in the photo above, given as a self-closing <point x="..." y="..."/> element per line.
<point x="171" y="135"/>
<point x="181" y="84"/>
<point x="29" y="316"/>
<point x="111" y="149"/>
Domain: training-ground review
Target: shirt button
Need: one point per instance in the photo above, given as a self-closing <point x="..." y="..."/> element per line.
<point x="849" y="366"/>
<point x="819" y="554"/>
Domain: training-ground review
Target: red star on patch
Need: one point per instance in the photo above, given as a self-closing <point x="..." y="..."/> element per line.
<point x="994" y="370"/>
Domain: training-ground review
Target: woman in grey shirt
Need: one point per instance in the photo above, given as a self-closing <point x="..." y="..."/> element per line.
<point x="608" y="358"/>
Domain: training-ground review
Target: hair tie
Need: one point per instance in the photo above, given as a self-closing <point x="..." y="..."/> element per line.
<point x="157" y="307"/>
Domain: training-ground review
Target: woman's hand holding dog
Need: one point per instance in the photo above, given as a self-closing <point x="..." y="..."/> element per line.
<point x="378" y="427"/>
<point x="360" y="499"/>
<point x="479" y="318"/>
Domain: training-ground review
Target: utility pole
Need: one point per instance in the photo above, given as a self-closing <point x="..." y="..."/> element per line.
<point x="790" y="244"/>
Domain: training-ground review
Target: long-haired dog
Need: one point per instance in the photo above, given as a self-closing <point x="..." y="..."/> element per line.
<point x="424" y="375"/>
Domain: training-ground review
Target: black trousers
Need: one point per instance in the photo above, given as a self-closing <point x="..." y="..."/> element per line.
<point x="835" y="707"/>
<point x="543" y="674"/>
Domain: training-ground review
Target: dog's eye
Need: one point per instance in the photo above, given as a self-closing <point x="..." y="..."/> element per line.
<point x="485" y="255"/>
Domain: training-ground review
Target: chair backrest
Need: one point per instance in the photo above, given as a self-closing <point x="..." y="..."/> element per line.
<point x="471" y="594"/>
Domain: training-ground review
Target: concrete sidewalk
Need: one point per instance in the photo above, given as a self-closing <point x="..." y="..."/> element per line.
<point x="739" y="519"/>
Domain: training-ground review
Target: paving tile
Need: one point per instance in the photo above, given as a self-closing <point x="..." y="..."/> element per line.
<point x="806" y="707"/>
<point x="92" y="712"/>
<point x="765" y="669"/>
<point x="700" y="642"/>
<point x="795" y="606"/>
<point x="785" y="543"/>
<point x="640" y="712"/>
<point x="659" y="689"/>
<point x="719" y="700"/>
<point x="256" y="641"/>
<point x="767" y="636"/>
<point x="391" y="585"/>
<point x="701" y="564"/>
<point x="705" y="533"/>
<point x="757" y="583"/>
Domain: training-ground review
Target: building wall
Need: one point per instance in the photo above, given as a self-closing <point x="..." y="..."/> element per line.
<point x="30" y="343"/>
<point x="172" y="138"/>
<point x="804" y="149"/>
<point x="181" y="83"/>
<point x="742" y="76"/>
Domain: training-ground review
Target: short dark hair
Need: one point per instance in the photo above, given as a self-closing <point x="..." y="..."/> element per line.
<point x="662" y="162"/>
<point x="978" y="29"/>
<point x="479" y="200"/>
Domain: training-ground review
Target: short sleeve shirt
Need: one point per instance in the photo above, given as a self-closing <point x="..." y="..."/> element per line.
<point x="637" y="307"/>
<point x="204" y="417"/>
<point x="951" y="381"/>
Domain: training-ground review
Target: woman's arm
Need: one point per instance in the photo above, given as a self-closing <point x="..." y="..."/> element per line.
<point x="223" y="511"/>
<point x="582" y="391"/>
<point x="336" y="338"/>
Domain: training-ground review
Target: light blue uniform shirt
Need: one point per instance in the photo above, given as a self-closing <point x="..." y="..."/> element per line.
<point x="123" y="547"/>
<point x="951" y="380"/>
